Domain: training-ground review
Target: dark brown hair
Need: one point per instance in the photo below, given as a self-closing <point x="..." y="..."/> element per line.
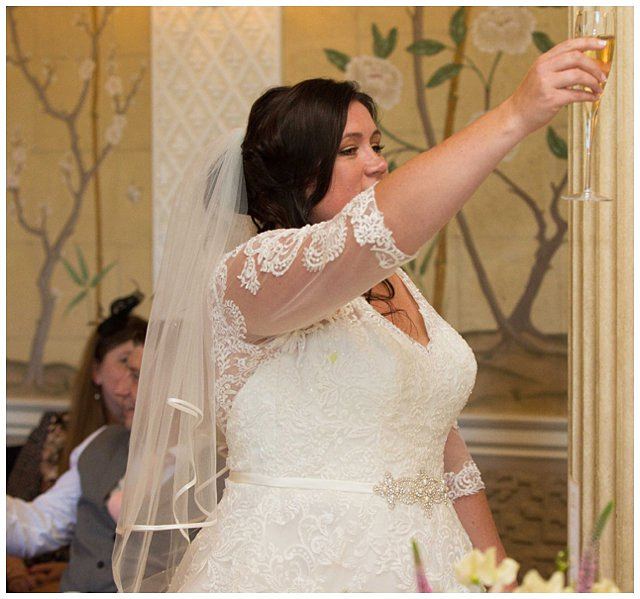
<point x="292" y="140"/>
<point x="289" y="150"/>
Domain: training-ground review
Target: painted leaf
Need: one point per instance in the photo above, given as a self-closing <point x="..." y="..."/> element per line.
<point x="84" y="271"/>
<point x="75" y="301"/>
<point x="383" y="46"/>
<point x="99" y="276"/>
<point x="457" y="28"/>
<point x="72" y="273"/>
<point x="444" y="73"/>
<point x="557" y="145"/>
<point x="542" y="41"/>
<point x="393" y="165"/>
<point x="338" y="59"/>
<point x="426" y="47"/>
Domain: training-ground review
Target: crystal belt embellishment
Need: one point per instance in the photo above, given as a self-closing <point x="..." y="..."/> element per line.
<point x="422" y="489"/>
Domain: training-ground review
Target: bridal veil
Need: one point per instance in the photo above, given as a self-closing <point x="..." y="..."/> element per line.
<point x="170" y="483"/>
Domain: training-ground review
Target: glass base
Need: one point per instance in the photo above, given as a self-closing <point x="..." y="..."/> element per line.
<point x="587" y="196"/>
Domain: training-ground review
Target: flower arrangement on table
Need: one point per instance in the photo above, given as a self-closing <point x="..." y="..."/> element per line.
<point x="479" y="569"/>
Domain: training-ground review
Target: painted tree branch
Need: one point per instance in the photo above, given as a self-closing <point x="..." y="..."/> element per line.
<point x="421" y="101"/>
<point x="77" y="172"/>
<point x="449" y="126"/>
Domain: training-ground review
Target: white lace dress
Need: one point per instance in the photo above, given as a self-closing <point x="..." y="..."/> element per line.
<point x="327" y="409"/>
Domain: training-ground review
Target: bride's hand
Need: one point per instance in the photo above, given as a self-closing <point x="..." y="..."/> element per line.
<point x="552" y="82"/>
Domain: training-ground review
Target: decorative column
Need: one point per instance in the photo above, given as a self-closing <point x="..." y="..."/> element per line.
<point x="601" y="324"/>
<point x="209" y="64"/>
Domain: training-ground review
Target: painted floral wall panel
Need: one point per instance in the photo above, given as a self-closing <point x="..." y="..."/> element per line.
<point x="78" y="181"/>
<point x="201" y="68"/>
<point x="499" y="272"/>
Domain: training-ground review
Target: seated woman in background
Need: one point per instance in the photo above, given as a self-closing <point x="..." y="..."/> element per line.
<point x="94" y="403"/>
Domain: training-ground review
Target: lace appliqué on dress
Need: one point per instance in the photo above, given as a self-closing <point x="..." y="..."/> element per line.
<point x="275" y="253"/>
<point x="369" y="229"/>
<point x="465" y="482"/>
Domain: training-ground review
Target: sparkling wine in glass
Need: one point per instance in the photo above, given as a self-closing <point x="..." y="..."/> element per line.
<point x="593" y="22"/>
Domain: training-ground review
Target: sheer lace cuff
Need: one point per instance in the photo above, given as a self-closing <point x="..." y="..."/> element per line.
<point x="467" y="481"/>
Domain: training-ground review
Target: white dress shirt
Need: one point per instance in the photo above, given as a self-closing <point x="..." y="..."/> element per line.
<point x="48" y="522"/>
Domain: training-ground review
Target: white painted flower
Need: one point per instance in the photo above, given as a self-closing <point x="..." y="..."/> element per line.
<point x="113" y="86"/>
<point x="378" y="78"/>
<point x="19" y="155"/>
<point x="86" y="69"/>
<point x="134" y="193"/>
<point x="605" y="586"/>
<point x="503" y="29"/>
<point x="66" y="163"/>
<point x="534" y="583"/>
<point x="13" y="181"/>
<point x="113" y="134"/>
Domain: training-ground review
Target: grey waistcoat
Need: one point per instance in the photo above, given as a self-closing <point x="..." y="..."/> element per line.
<point x="101" y="465"/>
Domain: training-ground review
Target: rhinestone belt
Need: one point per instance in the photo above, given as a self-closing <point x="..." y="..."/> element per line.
<point x="421" y="489"/>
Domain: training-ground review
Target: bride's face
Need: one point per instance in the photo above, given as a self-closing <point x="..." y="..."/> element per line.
<point x="358" y="165"/>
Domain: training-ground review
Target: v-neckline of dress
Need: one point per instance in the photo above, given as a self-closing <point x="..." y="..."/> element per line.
<point x="420" y="303"/>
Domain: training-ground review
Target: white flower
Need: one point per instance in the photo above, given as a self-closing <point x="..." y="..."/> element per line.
<point x="134" y="193"/>
<point x="113" y="134"/>
<point x="13" y="181"/>
<point x="66" y="163"/>
<point x="503" y="29"/>
<point x="378" y="78"/>
<point x="86" y="69"/>
<point x="605" y="586"/>
<point x="477" y="567"/>
<point x="19" y="155"/>
<point x="534" y="583"/>
<point x="113" y="86"/>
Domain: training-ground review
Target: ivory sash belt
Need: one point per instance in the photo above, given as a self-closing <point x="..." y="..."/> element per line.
<point x="252" y="478"/>
<point x="424" y="490"/>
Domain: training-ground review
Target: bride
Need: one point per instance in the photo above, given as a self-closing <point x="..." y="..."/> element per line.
<point x="292" y="340"/>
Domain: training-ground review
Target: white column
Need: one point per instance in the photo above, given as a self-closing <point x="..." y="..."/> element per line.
<point x="601" y="324"/>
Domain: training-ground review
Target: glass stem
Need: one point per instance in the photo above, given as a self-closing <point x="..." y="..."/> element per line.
<point x="591" y="117"/>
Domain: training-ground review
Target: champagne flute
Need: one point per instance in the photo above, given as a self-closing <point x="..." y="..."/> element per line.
<point x="593" y="22"/>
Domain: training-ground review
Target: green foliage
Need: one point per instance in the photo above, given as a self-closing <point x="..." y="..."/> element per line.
<point x="426" y="47"/>
<point x="338" y="59"/>
<point x="444" y="73"/>
<point x="383" y="46"/>
<point x="542" y="41"/>
<point x="562" y="560"/>
<point x="557" y="145"/>
<point x="457" y="28"/>
<point x="601" y="521"/>
<point x="81" y="277"/>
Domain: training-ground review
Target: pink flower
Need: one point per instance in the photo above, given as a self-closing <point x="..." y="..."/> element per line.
<point x="421" y="577"/>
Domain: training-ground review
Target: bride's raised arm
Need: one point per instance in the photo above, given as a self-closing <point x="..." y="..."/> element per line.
<point x="421" y="196"/>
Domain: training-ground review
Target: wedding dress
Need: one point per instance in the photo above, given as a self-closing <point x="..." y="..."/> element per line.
<point x="334" y="418"/>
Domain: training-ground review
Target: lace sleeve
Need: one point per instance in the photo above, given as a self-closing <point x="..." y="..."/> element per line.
<point x="287" y="279"/>
<point x="467" y="481"/>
